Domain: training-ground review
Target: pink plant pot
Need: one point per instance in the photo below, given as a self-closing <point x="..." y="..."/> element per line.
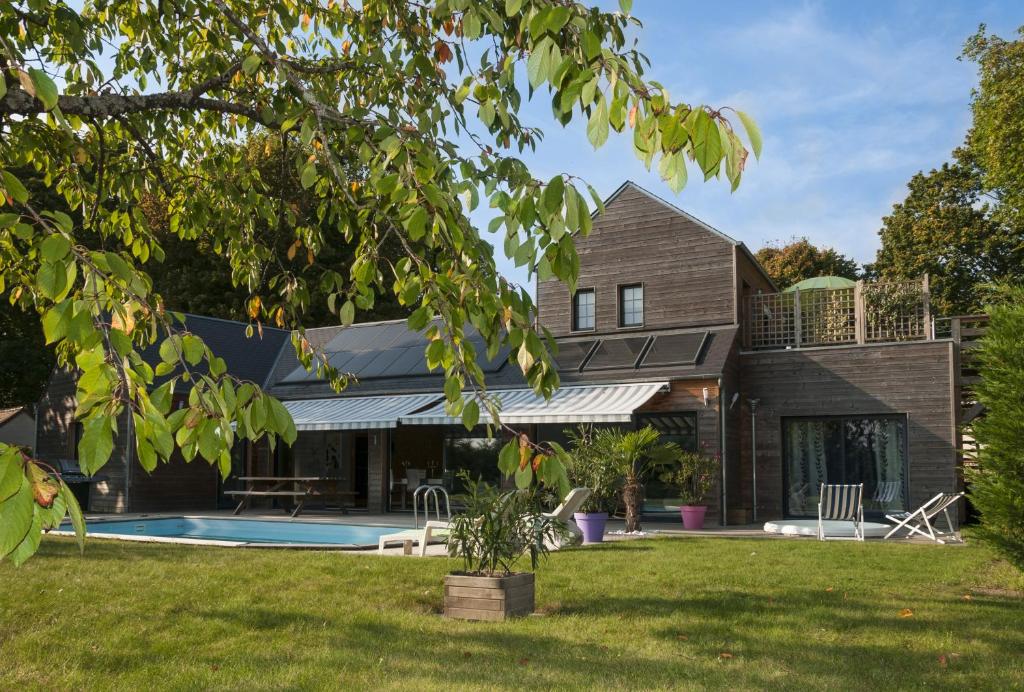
<point x="693" y="517"/>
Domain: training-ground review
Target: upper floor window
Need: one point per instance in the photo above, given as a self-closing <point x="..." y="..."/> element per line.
<point x="583" y="310"/>
<point x="631" y="305"/>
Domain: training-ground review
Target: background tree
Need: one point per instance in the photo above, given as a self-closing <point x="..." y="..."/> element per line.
<point x="946" y="228"/>
<point x="997" y="484"/>
<point x="800" y="259"/>
<point x="26" y="362"/>
<point x="996" y="139"/>
<point x="422" y="97"/>
<point x="963" y="223"/>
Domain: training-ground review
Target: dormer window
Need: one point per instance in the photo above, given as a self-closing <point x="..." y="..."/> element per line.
<point x="631" y="305"/>
<point x="583" y="310"/>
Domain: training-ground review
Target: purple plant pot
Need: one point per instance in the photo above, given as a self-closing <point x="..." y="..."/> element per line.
<point x="591" y="525"/>
<point x="693" y="517"/>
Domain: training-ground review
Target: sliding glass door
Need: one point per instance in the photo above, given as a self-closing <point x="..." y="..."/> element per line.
<point x="845" y="449"/>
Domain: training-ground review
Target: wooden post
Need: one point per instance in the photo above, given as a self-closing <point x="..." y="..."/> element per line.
<point x="926" y="296"/>
<point x="797" y="319"/>
<point x="860" y="328"/>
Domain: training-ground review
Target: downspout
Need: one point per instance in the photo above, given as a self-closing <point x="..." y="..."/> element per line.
<point x="128" y="454"/>
<point x="722" y="451"/>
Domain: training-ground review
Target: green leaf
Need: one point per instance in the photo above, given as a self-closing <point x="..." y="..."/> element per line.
<point x="52" y="280"/>
<point x="12" y="470"/>
<point x="597" y="126"/>
<point x="146" y="454"/>
<point x="46" y="90"/>
<point x="169" y="349"/>
<point x="309" y="175"/>
<point x="347" y="313"/>
<point x="282" y="420"/>
<point x="96" y="444"/>
<point x="251" y="64"/>
<point x="75" y="512"/>
<point x="452" y="388"/>
<point x="524" y="477"/>
<point x="30" y="544"/>
<point x="537" y="65"/>
<point x="16" y="517"/>
<point x="416" y="223"/>
<point x="471" y="414"/>
<point x="55" y="247"/>
<point x="707" y="142"/>
<point x="193" y="349"/>
<point x="508" y="459"/>
<point x="753" y="133"/>
<point x="553" y="194"/>
<point x="626" y="6"/>
<point x="512" y="8"/>
<point x="14" y="187"/>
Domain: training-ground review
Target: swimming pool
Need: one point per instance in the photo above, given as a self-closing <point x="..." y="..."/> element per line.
<point x="240" y="532"/>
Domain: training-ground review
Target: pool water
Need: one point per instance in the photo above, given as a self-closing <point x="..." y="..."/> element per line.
<point x="243" y="531"/>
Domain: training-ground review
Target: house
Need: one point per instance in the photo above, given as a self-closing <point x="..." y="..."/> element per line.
<point x="674" y="324"/>
<point x="17" y="426"/>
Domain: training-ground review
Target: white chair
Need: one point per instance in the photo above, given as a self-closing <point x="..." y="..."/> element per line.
<point x="569" y="506"/>
<point x="434" y="528"/>
<point x="922" y="517"/>
<point x="841" y="503"/>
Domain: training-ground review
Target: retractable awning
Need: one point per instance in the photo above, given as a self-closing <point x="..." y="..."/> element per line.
<point x="355" y="413"/>
<point x="607" y="403"/>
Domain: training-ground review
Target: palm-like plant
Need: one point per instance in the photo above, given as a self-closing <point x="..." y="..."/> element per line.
<point x="632" y="454"/>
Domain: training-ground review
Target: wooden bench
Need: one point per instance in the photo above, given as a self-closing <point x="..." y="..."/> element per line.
<point x="302" y="488"/>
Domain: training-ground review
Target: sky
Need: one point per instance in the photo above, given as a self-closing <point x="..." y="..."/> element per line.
<point x="852" y="99"/>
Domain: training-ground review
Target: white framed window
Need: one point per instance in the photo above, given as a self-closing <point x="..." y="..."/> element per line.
<point x="631" y="305"/>
<point x="584" y="310"/>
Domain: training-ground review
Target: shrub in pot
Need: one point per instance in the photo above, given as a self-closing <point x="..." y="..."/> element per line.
<point x="590" y="466"/>
<point x="498" y="528"/>
<point x="693" y="478"/>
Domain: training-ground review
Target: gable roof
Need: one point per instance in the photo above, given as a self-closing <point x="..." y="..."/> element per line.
<point x="246" y="358"/>
<point x="385" y="357"/>
<point x="7" y="414"/>
<point x="630" y="185"/>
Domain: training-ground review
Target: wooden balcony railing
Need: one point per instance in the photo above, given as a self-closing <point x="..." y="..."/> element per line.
<point x="869" y="312"/>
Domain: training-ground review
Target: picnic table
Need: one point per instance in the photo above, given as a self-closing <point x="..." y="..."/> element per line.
<point x="299" y="488"/>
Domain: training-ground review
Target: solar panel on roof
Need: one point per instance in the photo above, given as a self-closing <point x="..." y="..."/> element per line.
<point x="383" y="364"/>
<point x="571" y="354"/>
<point x="675" y="349"/>
<point x="616" y="353"/>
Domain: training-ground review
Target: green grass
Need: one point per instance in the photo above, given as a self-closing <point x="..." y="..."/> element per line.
<point x="662" y="613"/>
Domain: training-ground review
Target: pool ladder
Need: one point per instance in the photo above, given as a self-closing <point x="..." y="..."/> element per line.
<point x="427" y="492"/>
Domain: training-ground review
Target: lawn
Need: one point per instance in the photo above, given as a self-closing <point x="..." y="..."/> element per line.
<point x="660" y="613"/>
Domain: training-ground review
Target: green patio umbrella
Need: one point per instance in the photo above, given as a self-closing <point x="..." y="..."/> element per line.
<point x="821" y="282"/>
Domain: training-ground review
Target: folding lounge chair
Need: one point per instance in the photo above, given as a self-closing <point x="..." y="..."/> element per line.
<point x="433" y="528"/>
<point x="841" y="503"/>
<point x="922" y="518"/>
<point x="570" y="505"/>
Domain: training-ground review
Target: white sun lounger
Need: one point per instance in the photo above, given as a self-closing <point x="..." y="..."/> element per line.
<point x="432" y="529"/>
<point x="922" y="517"/>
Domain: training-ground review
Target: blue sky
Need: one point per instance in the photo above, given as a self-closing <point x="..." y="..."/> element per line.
<point x="852" y="99"/>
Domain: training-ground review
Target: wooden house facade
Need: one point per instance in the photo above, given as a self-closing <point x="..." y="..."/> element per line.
<point x="674" y="325"/>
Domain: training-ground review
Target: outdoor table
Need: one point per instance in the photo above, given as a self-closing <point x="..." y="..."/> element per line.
<point x="297" y="487"/>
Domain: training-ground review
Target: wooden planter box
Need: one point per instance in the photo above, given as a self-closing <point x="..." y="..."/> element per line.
<point x="488" y="598"/>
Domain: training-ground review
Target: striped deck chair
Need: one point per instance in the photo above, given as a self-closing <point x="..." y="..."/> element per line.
<point x="922" y="517"/>
<point x="841" y="503"/>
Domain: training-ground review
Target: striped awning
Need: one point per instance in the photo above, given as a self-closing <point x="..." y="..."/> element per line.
<point x="607" y="403"/>
<point x="355" y="413"/>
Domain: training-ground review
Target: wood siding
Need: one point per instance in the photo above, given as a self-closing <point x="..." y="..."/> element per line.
<point x="686" y="269"/>
<point x="906" y="378"/>
<point x="688" y="396"/>
<point x="174" y="486"/>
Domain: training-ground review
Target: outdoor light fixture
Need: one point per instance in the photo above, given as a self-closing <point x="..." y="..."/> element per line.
<point x="707" y="397"/>
<point x="735" y="398"/>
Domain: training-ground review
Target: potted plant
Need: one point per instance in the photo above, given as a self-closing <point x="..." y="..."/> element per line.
<point x="693" y="477"/>
<point x="496" y="530"/>
<point x="590" y="466"/>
